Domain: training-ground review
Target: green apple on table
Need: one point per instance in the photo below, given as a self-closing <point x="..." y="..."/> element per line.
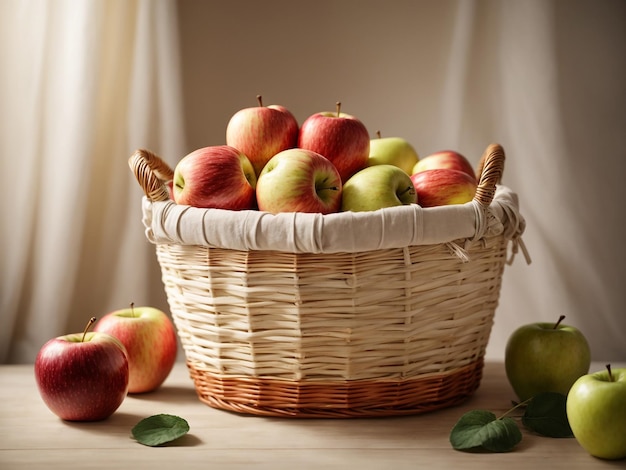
<point x="546" y="357"/>
<point x="393" y="151"/>
<point x="376" y="187"/>
<point x="596" y="411"/>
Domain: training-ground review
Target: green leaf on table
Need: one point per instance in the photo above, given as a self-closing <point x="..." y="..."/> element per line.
<point x="546" y="415"/>
<point x="159" y="429"/>
<point x="481" y="429"/>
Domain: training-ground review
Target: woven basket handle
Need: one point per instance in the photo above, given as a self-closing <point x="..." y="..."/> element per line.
<point x="152" y="173"/>
<point x="489" y="174"/>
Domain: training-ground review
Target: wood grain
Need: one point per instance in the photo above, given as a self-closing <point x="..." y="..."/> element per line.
<point x="32" y="437"/>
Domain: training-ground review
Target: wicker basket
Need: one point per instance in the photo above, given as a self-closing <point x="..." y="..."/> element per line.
<point x="383" y="331"/>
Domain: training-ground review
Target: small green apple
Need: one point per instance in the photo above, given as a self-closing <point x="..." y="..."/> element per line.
<point x="596" y="411"/>
<point x="393" y="151"/>
<point x="545" y="357"/>
<point x="378" y="186"/>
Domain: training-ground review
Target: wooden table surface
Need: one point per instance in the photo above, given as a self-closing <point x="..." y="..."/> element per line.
<point x="32" y="437"/>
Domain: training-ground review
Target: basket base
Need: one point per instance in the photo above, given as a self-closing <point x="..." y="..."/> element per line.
<point x="350" y="399"/>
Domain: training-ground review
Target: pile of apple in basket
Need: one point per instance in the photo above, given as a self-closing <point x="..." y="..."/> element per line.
<point x="328" y="164"/>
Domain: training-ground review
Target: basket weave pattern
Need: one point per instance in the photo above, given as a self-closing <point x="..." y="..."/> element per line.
<point x="376" y="333"/>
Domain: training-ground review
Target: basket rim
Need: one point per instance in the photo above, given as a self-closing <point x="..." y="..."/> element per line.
<point x="166" y="222"/>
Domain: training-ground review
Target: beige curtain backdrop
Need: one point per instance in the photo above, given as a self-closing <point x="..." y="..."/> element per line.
<point x="84" y="83"/>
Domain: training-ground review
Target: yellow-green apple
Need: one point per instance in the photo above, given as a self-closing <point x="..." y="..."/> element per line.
<point x="444" y="159"/>
<point x="443" y="186"/>
<point x="378" y="186"/>
<point x="218" y="176"/>
<point x="260" y="132"/>
<point x="393" y="151"/>
<point x="545" y="357"/>
<point x="340" y="137"/>
<point x="82" y="376"/>
<point x="596" y="411"/>
<point x="299" y="180"/>
<point x="149" y="337"/>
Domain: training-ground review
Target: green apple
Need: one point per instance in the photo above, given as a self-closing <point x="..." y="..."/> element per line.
<point x="378" y="186"/>
<point x="545" y="357"/>
<point x="393" y="151"/>
<point x="596" y="411"/>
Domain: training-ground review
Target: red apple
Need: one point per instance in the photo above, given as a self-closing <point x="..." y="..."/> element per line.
<point x="261" y="132"/>
<point x="443" y="186"/>
<point x="299" y="180"/>
<point x="150" y="340"/>
<point x="445" y="159"/>
<point x="82" y="376"/>
<point x="340" y="137"/>
<point x="219" y="176"/>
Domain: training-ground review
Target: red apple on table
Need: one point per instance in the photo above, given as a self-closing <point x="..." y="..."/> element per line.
<point x="150" y="341"/>
<point x="261" y="132"/>
<point x="443" y="186"/>
<point x="218" y="176"/>
<point x="82" y="376"/>
<point x="340" y="137"/>
<point x="299" y="180"/>
<point x="376" y="187"/>
<point x="545" y="357"/>
<point x="445" y="159"/>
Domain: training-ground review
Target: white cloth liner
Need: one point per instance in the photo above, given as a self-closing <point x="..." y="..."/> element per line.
<point x="395" y="227"/>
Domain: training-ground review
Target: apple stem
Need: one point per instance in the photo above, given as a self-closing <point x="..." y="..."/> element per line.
<point x="378" y="134"/>
<point x="132" y="309"/>
<point x="558" y="322"/>
<point x="338" y="104"/>
<point x="91" y="321"/>
<point x="608" y="367"/>
<point x="259" y="98"/>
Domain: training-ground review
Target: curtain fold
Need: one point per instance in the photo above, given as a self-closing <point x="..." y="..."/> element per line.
<point x="84" y="84"/>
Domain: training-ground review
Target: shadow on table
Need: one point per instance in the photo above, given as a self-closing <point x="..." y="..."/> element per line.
<point x="167" y="393"/>
<point x="121" y="423"/>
